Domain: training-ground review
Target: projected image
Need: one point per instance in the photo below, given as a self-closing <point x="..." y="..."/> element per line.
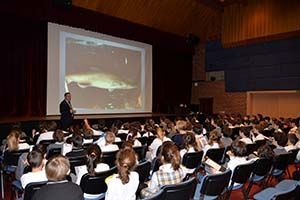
<point x="102" y="75"/>
<point x="105" y="74"/>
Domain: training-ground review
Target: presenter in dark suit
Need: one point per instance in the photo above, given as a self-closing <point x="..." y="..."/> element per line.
<point x="66" y="112"/>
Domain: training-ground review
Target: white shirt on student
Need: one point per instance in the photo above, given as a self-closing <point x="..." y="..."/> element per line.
<point x="116" y="190"/>
<point x="45" y="136"/>
<point x="155" y="144"/>
<point x="82" y="170"/>
<point x="109" y="147"/>
<point x="246" y="140"/>
<point x="184" y="151"/>
<point x="33" y="177"/>
<point x="137" y="143"/>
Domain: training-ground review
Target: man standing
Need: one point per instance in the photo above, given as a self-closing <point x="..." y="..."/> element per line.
<point x="66" y="111"/>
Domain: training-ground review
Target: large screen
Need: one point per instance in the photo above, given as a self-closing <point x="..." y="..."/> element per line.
<point x="104" y="74"/>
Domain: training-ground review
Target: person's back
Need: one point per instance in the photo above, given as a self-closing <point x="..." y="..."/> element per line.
<point x="58" y="188"/>
<point x="124" y="184"/>
<point x="35" y="159"/>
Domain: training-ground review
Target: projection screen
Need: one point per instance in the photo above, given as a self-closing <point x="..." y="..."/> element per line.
<point x="104" y="74"/>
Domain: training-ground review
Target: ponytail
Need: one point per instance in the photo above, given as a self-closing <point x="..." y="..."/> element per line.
<point x="124" y="173"/>
<point x="91" y="165"/>
<point x="171" y="155"/>
<point x="126" y="161"/>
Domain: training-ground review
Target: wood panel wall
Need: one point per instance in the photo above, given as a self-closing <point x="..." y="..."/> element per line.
<point x="259" y="20"/>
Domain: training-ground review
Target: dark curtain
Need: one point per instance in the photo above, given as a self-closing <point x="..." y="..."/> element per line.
<point x="23" y="50"/>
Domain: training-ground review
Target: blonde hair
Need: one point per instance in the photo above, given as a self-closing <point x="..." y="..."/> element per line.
<point x="12" y="141"/>
<point x="57" y="168"/>
<point x="181" y="125"/>
<point x="214" y="136"/>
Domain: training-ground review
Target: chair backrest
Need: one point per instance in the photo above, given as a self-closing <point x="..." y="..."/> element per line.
<point x="96" y="184"/>
<point x="242" y="173"/>
<point x="262" y="167"/>
<point x="143" y="169"/>
<point x="143" y="140"/>
<point x="282" y="161"/>
<point x="141" y="152"/>
<point x="122" y="136"/>
<point x="156" y="163"/>
<point x="109" y="158"/>
<point x="53" y="152"/>
<point x="182" y="191"/>
<point x="192" y="160"/>
<point x="293" y="156"/>
<point x="31" y="188"/>
<point x="178" y="140"/>
<point x="215" y="154"/>
<point x="12" y="157"/>
<point x="119" y="144"/>
<point x="150" y="140"/>
<point x="160" y="195"/>
<point x="77" y="161"/>
<point x="251" y="148"/>
<point x="260" y="143"/>
<point x="47" y="142"/>
<point x="214" y="184"/>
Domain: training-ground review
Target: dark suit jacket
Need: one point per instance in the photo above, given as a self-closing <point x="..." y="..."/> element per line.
<point x="59" y="191"/>
<point x="66" y="117"/>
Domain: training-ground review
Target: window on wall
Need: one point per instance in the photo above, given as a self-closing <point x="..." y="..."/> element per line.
<point x="215" y="76"/>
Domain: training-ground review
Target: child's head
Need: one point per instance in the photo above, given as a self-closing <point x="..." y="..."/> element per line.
<point x="77" y="140"/>
<point x="58" y="135"/>
<point x="13" y="140"/>
<point x="35" y="159"/>
<point x="109" y="137"/>
<point x="88" y="134"/>
<point x="170" y="154"/>
<point x="93" y="158"/>
<point x="190" y="140"/>
<point x="239" y="148"/>
<point x="57" y="168"/>
<point x="126" y="161"/>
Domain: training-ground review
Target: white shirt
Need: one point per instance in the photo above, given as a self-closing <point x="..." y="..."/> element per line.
<point x="82" y="170"/>
<point x="96" y="132"/>
<point x="184" y="151"/>
<point x="290" y="147"/>
<point x="246" y="140"/>
<point x="33" y="177"/>
<point x="109" y="147"/>
<point x="22" y="146"/>
<point x="235" y="161"/>
<point x="66" y="148"/>
<point x="116" y="190"/>
<point x="87" y="141"/>
<point x="137" y="143"/>
<point x="155" y="144"/>
<point x="45" y="136"/>
<point x="101" y="141"/>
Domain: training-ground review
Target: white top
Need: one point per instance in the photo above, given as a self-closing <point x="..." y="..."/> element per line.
<point x="246" y="140"/>
<point x="82" y="170"/>
<point x="155" y="144"/>
<point x="116" y="190"/>
<point x="22" y="146"/>
<point x="109" y="147"/>
<point x="147" y="134"/>
<point x="184" y="151"/>
<point x="66" y="148"/>
<point x="123" y="131"/>
<point x="101" y="141"/>
<point x="96" y="132"/>
<point x="235" y="161"/>
<point x="87" y="141"/>
<point x="45" y="136"/>
<point x="137" y="143"/>
<point x="33" y="177"/>
<point x="290" y="147"/>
